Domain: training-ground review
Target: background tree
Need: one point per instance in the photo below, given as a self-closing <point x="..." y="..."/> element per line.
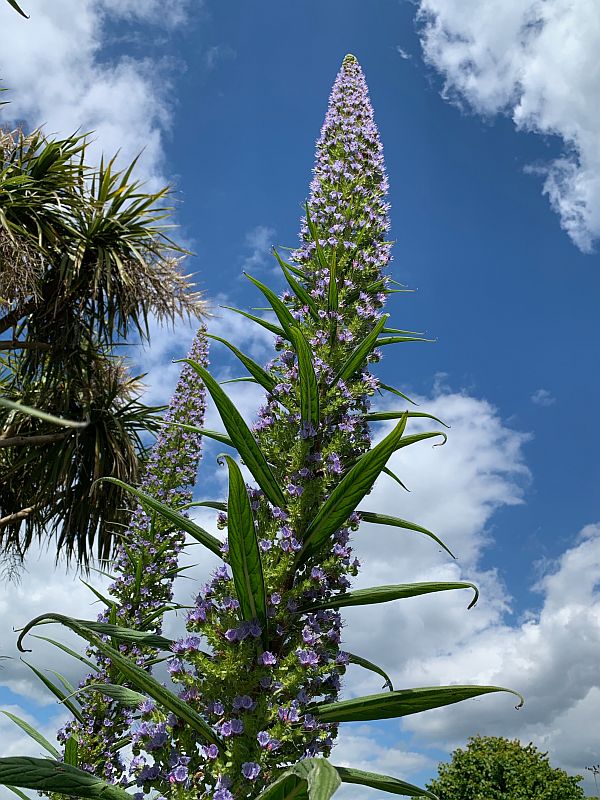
<point x="494" y="768"/>
<point x="85" y="260"/>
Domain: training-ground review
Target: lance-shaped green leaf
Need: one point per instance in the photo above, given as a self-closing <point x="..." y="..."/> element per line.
<point x="281" y="310"/>
<point x="245" y="379"/>
<point x="244" y="555"/>
<point x="297" y="288"/>
<point x="385" y="594"/>
<point x="55" y="777"/>
<point x="218" y="505"/>
<point x="259" y="320"/>
<point x="178" y="520"/>
<point x="359" y="661"/>
<point x="309" y="779"/>
<point x="58" y="693"/>
<point x="348" y="493"/>
<point x="14" y="789"/>
<point x="68" y="650"/>
<point x="400" y="703"/>
<point x="137" y="676"/>
<point x="358" y="356"/>
<point x="387" y="471"/>
<point x="122" y="694"/>
<point x="35" y="412"/>
<point x="385" y="519"/>
<point x="420" y="437"/>
<point x="103" y="599"/>
<point x="259" y="374"/>
<point x="384" y="783"/>
<point x="309" y="388"/>
<point x="332" y="291"/>
<point x="71" y="751"/>
<point x="398" y="392"/>
<point x="315" y="237"/>
<point x="399" y="339"/>
<point x="216" y="435"/>
<point x="242" y="438"/>
<point x="381" y="416"/>
<point x="18" y="8"/>
<point x="35" y="735"/>
<point x="129" y="635"/>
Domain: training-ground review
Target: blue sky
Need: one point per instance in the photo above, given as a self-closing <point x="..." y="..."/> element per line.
<point x="495" y="200"/>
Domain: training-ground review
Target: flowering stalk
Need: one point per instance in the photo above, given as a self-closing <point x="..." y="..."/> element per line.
<point x="145" y="568"/>
<point x="257" y="715"/>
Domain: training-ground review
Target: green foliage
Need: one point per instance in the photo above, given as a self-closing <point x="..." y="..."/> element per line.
<point x="494" y="768"/>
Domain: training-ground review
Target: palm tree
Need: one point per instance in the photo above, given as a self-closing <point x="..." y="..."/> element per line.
<point x="85" y="260"/>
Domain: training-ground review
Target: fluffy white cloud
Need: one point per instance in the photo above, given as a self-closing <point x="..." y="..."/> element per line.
<point x="537" y="62"/>
<point x="54" y="66"/>
<point x="258" y="244"/>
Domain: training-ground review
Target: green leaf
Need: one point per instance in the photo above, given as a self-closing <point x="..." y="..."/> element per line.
<point x="34" y="412"/>
<point x="420" y="437"/>
<point x="309" y="388"/>
<point x="348" y="493"/>
<point x="358" y="356"/>
<point x="216" y="435"/>
<point x="366" y="664"/>
<point x="396" y="391"/>
<point x="297" y="288"/>
<point x="178" y="520"/>
<point x="387" y="471"/>
<point x="122" y="694"/>
<point x="50" y="777"/>
<point x="16" y="7"/>
<point x="385" y="519"/>
<point x="244" y="555"/>
<point x="137" y="676"/>
<point x="281" y="310"/>
<point x="106" y="600"/>
<point x="309" y="779"/>
<point x="130" y="635"/>
<point x="62" y="697"/>
<point x="400" y="703"/>
<point x="385" y="594"/>
<point x="332" y="292"/>
<point x="36" y="735"/>
<point x="380" y="416"/>
<point x="68" y="650"/>
<point x="400" y="339"/>
<point x="218" y="505"/>
<point x="268" y="325"/>
<point x="242" y="438"/>
<point x="260" y="375"/>
<point x="384" y="783"/>
<point x="16" y="791"/>
<point x="315" y="237"/>
<point x="71" y="751"/>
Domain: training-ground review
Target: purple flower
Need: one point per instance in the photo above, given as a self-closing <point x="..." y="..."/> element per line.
<point x="211" y="752"/>
<point x="267" y="658"/>
<point x="250" y="770"/>
<point x="179" y="774"/>
<point x="223" y="794"/>
<point x="308" y="658"/>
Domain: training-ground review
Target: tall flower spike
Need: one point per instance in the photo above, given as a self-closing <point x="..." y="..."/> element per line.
<point x="146" y="564"/>
<point x="256" y="688"/>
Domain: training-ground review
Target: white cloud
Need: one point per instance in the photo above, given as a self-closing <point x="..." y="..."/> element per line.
<point x="403" y="53"/>
<point x="218" y="53"/>
<point x="54" y="65"/>
<point x="536" y="62"/>
<point x="258" y="243"/>
<point x="543" y="397"/>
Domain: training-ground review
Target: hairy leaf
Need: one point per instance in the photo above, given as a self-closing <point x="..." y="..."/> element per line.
<point x="36" y="735"/>
<point x="71" y="751"/>
<point x="242" y="438"/>
<point x="309" y="388"/>
<point x="123" y="695"/>
<point x="281" y="310"/>
<point x="49" y="777"/>
<point x="259" y="320"/>
<point x="385" y="594"/>
<point x="62" y="697"/>
<point x="379" y="416"/>
<point x="297" y="288"/>
<point x="385" y="519"/>
<point x="244" y="555"/>
<point x="358" y="356"/>
<point x="260" y="375"/>
<point x="309" y="779"/>
<point x="400" y="703"/>
<point x="384" y="783"/>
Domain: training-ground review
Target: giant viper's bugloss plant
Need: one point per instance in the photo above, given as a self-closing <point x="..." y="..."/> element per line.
<point x="256" y="715"/>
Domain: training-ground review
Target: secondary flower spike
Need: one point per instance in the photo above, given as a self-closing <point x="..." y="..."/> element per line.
<point x="145" y="564"/>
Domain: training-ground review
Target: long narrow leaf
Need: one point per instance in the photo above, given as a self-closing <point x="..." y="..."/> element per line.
<point x="260" y="375"/>
<point x="242" y="437"/>
<point x="244" y="555"/>
<point x="309" y="779"/>
<point x="178" y="520"/>
<point x="36" y="735"/>
<point x="309" y="388"/>
<point x="71" y="751"/>
<point x="348" y="493"/>
<point x="400" y="703"/>
<point x="259" y="320"/>
<point x="123" y="695"/>
<point x="385" y="519"/>
<point x="398" y="392"/>
<point x="129" y="635"/>
<point x="54" y="777"/>
<point x="420" y="437"/>
<point x="297" y="288"/>
<point x="281" y="310"/>
<point x="385" y="594"/>
<point x="216" y="435"/>
<point x="17" y="7"/>
<point x="58" y="693"/>
<point x="384" y="783"/>
<point x="380" y="416"/>
<point x="14" y="789"/>
<point x="35" y="412"/>
<point x="137" y="676"/>
<point x="359" y="355"/>
<point x="359" y="661"/>
<point x="387" y="471"/>
<point x="68" y="650"/>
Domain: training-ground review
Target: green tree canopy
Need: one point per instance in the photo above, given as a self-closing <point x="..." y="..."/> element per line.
<point x="85" y="260"/>
<point x="494" y="768"/>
